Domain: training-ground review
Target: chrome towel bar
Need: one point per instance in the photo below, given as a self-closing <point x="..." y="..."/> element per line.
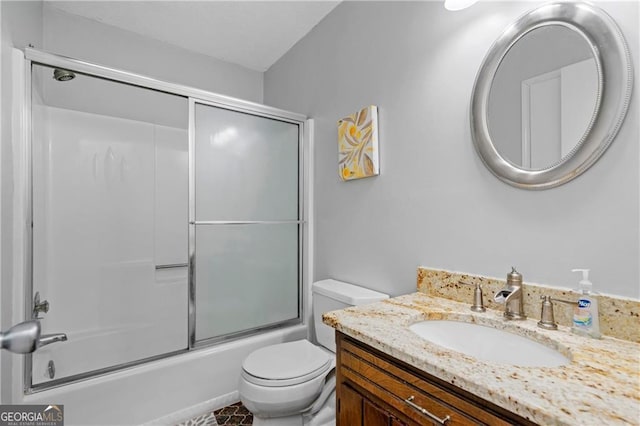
<point x="172" y="265"/>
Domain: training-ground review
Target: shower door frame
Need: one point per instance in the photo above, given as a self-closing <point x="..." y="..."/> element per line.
<point x="193" y="342"/>
<point x="193" y="96"/>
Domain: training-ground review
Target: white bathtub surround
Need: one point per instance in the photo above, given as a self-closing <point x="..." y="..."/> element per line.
<point x="109" y="197"/>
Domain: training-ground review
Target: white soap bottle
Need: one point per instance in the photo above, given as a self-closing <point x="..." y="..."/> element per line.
<point x="585" y="316"/>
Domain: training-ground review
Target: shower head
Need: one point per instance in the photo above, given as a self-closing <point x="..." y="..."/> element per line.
<point x="63" y="75"/>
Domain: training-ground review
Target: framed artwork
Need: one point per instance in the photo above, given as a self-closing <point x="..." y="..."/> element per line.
<point x="358" y="144"/>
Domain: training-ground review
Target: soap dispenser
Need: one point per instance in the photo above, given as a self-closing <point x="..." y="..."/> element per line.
<point x="585" y="316"/>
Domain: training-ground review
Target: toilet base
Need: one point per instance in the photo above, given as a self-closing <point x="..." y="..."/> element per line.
<point x="321" y="413"/>
<point x="325" y="417"/>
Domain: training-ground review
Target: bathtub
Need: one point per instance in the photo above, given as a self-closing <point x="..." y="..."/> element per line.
<point x="165" y="392"/>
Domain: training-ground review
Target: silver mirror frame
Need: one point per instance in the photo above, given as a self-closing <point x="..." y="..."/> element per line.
<point x="615" y="82"/>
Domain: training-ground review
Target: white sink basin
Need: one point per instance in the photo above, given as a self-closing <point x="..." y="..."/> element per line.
<point x="489" y="344"/>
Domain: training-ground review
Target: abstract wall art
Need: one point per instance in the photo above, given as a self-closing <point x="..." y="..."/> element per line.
<point x="358" y="144"/>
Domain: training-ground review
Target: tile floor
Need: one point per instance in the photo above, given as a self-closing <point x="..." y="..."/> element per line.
<point x="235" y="414"/>
<point x="208" y="419"/>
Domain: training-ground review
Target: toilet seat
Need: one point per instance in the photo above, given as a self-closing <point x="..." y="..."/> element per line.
<point x="286" y="364"/>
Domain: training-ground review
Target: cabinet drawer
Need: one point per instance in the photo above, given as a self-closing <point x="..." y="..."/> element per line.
<point x="406" y="392"/>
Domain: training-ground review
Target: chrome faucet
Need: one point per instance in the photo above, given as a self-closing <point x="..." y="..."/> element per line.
<point x="47" y="339"/>
<point x="25" y="338"/>
<point x="21" y="338"/>
<point x="512" y="296"/>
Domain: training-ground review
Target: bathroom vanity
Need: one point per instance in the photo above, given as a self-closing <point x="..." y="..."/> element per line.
<point x="388" y="375"/>
<point x="375" y="389"/>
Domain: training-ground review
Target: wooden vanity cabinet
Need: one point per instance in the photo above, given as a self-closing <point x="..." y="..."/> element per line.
<point x="358" y="410"/>
<point x="375" y="389"/>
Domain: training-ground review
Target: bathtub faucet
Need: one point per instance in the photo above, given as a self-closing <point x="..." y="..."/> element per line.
<point x="25" y="338"/>
<point x="21" y="338"/>
<point x="47" y="339"/>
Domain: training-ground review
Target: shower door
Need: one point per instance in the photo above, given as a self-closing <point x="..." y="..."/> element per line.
<point x="244" y="222"/>
<point x="109" y="211"/>
<point x="163" y="219"/>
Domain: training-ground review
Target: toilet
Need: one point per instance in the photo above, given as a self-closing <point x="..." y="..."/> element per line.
<point x="293" y="383"/>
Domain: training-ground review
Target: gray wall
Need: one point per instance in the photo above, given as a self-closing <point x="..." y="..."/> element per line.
<point x="82" y="38"/>
<point x="435" y="204"/>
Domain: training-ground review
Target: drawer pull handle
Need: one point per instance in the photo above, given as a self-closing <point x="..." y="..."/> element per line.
<point x="425" y="412"/>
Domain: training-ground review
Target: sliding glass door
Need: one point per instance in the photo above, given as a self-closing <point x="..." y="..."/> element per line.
<point x="245" y="222"/>
<point x="164" y="218"/>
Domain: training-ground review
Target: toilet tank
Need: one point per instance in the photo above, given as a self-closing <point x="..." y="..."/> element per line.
<point x="329" y="295"/>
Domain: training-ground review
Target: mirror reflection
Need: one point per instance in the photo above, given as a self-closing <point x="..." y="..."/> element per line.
<point x="543" y="97"/>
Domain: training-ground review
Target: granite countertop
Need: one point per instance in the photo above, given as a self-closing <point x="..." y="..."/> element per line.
<point x="600" y="386"/>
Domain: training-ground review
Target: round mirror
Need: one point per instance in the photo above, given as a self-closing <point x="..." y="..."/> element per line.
<point x="544" y="95"/>
<point x="541" y="112"/>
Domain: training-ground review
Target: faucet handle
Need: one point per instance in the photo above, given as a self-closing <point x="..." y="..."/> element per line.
<point x="39" y="306"/>
<point x="568" y="302"/>
<point x="478" y="303"/>
<point x="547" y="320"/>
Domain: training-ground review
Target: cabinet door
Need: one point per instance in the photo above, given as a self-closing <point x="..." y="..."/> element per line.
<point x="350" y="407"/>
<point x="356" y="410"/>
<point x="375" y="416"/>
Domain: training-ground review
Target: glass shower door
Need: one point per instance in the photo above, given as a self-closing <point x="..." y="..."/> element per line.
<point x="245" y="222"/>
<point x="110" y="223"/>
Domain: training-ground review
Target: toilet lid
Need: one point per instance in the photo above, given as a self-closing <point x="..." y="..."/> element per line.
<point x="286" y="364"/>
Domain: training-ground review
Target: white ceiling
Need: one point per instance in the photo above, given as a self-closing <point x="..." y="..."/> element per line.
<point x="254" y="34"/>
